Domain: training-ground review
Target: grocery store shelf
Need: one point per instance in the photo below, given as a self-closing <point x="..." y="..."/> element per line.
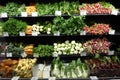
<point x="63" y="15"/>
<point x="53" y="38"/>
<point x="63" y="56"/>
<point x="47" y="35"/>
<point x="89" y="55"/>
<point x="100" y="78"/>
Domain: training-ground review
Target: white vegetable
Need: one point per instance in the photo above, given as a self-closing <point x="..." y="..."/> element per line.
<point x="48" y="32"/>
<point x="72" y="42"/>
<point x="73" y="74"/>
<point x="80" y="45"/>
<point x="40" y="27"/>
<point x="72" y="49"/>
<point x="64" y="53"/>
<point x="56" y="70"/>
<point x="58" y="49"/>
<point x="62" y="44"/>
<point x="75" y="52"/>
<point x="55" y="47"/>
<point x="59" y="52"/>
<point x="38" y="32"/>
<point x="34" y="29"/>
<point x="49" y="29"/>
<point x="79" y="72"/>
<point x="67" y="42"/>
<point x="77" y="48"/>
<point x="81" y="49"/>
<point x="41" y="30"/>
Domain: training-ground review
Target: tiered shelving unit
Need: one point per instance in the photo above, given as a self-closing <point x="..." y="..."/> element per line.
<point x="113" y="20"/>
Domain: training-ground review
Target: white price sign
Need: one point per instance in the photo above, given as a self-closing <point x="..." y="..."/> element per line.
<point x="83" y="54"/>
<point x="111" y="32"/>
<point x="15" y="78"/>
<point x="56" y="33"/>
<point x="22" y="33"/>
<point x="55" y="54"/>
<point x="82" y="32"/>
<point x="114" y="12"/>
<point x="111" y="52"/>
<point x="24" y="54"/>
<point x="4" y="14"/>
<point x="34" y="78"/>
<point x="52" y="78"/>
<point x="93" y="77"/>
<point x="35" y="55"/>
<point x="34" y="33"/>
<point x="3" y="54"/>
<point x="24" y="14"/>
<point x="5" y="34"/>
<point x="9" y="54"/>
<point x="83" y="12"/>
<point x="34" y="14"/>
<point x="58" y="13"/>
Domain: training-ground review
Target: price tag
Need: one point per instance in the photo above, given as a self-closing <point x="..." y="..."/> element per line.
<point x="52" y="78"/>
<point x="83" y="54"/>
<point x="5" y="34"/>
<point x="55" y="54"/>
<point x="82" y="32"/>
<point x="83" y="12"/>
<point x="35" y="55"/>
<point x="93" y="77"/>
<point x="34" y="78"/>
<point x="111" y="52"/>
<point x="9" y="54"/>
<point x="22" y="33"/>
<point x="111" y="32"/>
<point x="15" y="78"/>
<point x="4" y="14"/>
<point x="58" y="13"/>
<point x="2" y="54"/>
<point x="24" y="14"/>
<point x="114" y="12"/>
<point x="34" y="14"/>
<point x="34" y="33"/>
<point x="24" y="54"/>
<point x="56" y="33"/>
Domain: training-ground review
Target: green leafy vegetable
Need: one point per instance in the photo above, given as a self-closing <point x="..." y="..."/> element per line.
<point x="74" y="69"/>
<point x="15" y="48"/>
<point x="13" y="26"/>
<point x="70" y="26"/>
<point x="64" y="6"/>
<point x="44" y="50"/>
<point x="12" y="9"/>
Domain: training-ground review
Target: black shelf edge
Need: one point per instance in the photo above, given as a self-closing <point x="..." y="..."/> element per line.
<point x="99" y="78"/>
<point x="64" y="56"/>
<point x="90" y="55"/>
<point x="63" y="15"/>
<point x="50" y="35"/>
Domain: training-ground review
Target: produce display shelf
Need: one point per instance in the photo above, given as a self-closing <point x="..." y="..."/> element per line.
<point x="99" y="78"/>
<point x="88" y="55"/>
<point x="47" y="35"/>
<point x="65" y="56"/>
<point x="63" y="15"/>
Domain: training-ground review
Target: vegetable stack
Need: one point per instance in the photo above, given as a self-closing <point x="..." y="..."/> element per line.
<point x="14" y="26"/>
<point x="75" y="69"/>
